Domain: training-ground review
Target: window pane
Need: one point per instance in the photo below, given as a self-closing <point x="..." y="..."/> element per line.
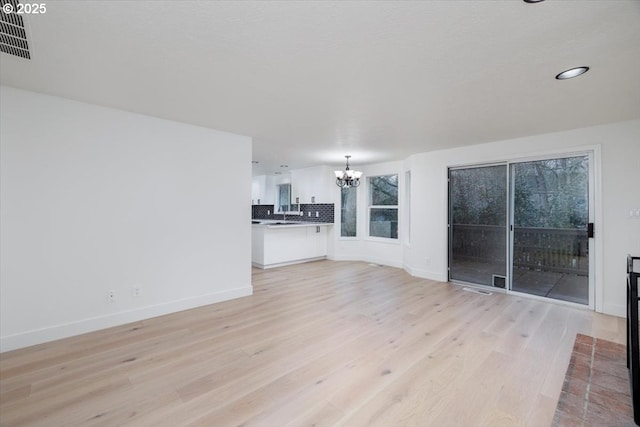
<point x="479" y="195"/>
<point x="348" y="212"/>
<point x="550" y="239"/>
<point x="284" y="197"/>
<point x="552" y="193"/>
<point x="383" y="190"/>
<point x="383" y="222"/>
<point x="478" y="209"/>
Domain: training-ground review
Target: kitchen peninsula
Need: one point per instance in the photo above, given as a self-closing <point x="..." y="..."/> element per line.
<point x="276" y="243"/>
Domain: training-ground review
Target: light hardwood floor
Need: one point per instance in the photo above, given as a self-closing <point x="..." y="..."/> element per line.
<point x="318" y="344"/>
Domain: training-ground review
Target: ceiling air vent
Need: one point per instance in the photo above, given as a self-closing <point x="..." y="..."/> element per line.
<point x="13" y="37"/>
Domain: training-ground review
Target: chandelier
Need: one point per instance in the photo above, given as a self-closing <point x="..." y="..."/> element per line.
<point x="348" y="178"/>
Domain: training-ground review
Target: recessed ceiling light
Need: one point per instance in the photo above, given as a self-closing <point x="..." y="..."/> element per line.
<point x="533" y="1"/>
<point x="571" y="73"/>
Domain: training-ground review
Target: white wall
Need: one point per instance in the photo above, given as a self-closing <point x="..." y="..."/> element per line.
<point x="617" y="169"/>
<point x="96" y="199"/>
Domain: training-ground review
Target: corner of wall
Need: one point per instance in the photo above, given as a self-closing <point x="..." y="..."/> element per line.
<point x="424" y="274"/>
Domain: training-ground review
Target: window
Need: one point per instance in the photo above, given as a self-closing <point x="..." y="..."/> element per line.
<point x="407" y="208"/>
<point x="383" y="206"/>
<point x="348" y="211"/>
<point x="284" y="197"/>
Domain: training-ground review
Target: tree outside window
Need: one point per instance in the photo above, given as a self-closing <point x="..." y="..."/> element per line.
<point x="383" y="206"/>
<point x="348" y="212"/>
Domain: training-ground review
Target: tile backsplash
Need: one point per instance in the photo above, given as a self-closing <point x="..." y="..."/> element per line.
<point x="325" y="212"/>
<point x="261" y="211"/>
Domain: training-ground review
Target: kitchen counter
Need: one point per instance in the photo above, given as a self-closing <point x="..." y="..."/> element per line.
<point x="274" y="244"/>
<point x="270" y="223"/>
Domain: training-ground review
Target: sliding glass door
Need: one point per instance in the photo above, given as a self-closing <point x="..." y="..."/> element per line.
<point x="522" y="226"/>
<point x="550" y="244"/>
<point x="477" y="224"/>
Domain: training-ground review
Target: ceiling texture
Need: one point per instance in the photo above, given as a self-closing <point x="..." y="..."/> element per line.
<point x="313" y="81"/>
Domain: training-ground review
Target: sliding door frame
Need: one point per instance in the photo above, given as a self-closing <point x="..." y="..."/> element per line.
<point x="596" y="291"/>
<point x="450" y="224"/>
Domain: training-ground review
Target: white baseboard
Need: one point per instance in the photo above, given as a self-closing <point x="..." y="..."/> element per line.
<point x="424" y="274"/>
<point x="373" y="260"/>
<point x="51" y="333"/>
<point x="619" y="310"/>
<point x="335" y="257"/>
<point x="282" y="264"/>
<point x="416" y="272"/>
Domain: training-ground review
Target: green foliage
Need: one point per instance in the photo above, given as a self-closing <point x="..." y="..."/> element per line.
<point x="348" y="206"/>
<point x="479" y="195"/>
<point x="384" y="190"/>
<point x="550" y="193"/>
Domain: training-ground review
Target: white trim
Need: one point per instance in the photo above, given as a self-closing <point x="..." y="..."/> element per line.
<point x="389" y="240"/>
<point x="598" y="240"/>
<point x="424" y="274"/>
<point x="369" y="206"/>
<point x="369" y="259"/>
<point x="38" y="336"/>
<point x="338" y="215"/>
<point x="618" y="310"/>
<point x="282" y="264"/>
<point x="406" y="204"/>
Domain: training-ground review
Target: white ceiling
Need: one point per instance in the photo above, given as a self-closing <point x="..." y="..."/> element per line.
<point x="313" y="81"/>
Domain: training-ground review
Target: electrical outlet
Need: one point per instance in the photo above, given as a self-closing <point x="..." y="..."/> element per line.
<point x="309" y="214"/>
<point x="136" y="291"/>
<point x="111" y="296"/>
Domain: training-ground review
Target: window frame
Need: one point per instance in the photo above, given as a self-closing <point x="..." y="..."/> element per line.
<point x="370" y="206"/>
<point x="279" y="190"/>
<point x="357" y="234"/>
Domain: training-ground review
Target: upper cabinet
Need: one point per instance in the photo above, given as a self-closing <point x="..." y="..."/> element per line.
<point x="309" y="185"/>
<point x="263" y="190"/>
<point x="312" y="185"/>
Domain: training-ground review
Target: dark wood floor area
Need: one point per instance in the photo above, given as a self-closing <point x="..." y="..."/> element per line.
<point x="318" y="344"/>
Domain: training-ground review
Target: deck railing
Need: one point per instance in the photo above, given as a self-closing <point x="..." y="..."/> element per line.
<point x="562" y="250"/>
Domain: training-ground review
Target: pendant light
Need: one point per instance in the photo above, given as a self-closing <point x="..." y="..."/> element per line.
<point x="348" y="178"/>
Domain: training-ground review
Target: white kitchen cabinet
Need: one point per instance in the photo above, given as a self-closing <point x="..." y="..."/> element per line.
<point x="281" y="245"/>
<point x="263" y="189"/>
<point x="313" y="185"/>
